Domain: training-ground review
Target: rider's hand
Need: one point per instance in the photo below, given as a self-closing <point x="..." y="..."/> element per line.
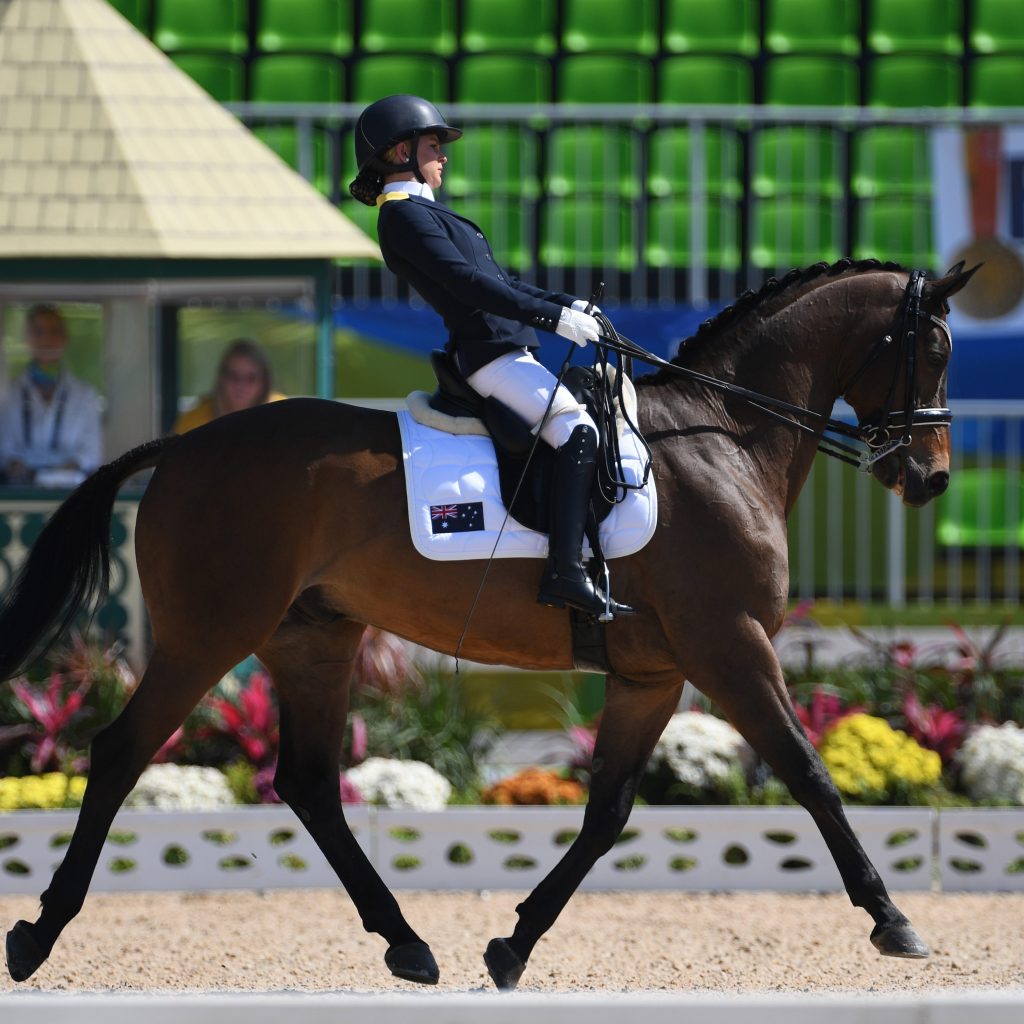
<point x="577" y="326"/>
<point x="580" y="305"/>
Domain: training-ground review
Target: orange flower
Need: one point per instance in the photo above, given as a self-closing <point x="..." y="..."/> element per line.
<point x="534" y="786"/>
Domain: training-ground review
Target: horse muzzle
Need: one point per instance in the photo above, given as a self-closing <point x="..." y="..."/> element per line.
<point x="915" y="482"/>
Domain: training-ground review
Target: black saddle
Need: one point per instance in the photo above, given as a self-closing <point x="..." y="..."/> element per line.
<point x="513" y="441"/>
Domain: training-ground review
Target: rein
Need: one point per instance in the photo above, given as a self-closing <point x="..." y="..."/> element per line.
<point x="873" y="433"/>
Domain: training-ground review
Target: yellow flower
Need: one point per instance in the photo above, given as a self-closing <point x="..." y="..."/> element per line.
<point x="868" y="759"/>
<point x="48" y="791"/>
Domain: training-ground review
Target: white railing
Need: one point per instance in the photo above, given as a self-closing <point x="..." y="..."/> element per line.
<point x="852" y="540"/>
<point x="679" y="848"/>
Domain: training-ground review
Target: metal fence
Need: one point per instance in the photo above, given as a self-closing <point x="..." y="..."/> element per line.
<point x="850" y="539"/>
<point x="665" y="203"/>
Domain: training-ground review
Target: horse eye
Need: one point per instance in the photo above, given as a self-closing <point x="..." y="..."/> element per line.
<point x="937" y="359"/>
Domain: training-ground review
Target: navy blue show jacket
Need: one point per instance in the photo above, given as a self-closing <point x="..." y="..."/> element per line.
<point x="446" y="258"/>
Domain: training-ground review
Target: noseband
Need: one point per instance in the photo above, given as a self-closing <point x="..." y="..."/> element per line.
<point x="873" y="432"/>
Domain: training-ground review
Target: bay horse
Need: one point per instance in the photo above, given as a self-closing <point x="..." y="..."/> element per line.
<point x="282" y="530"/>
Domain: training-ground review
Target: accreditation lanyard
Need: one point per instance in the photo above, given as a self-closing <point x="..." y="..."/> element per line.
<point x="26" y="415"/>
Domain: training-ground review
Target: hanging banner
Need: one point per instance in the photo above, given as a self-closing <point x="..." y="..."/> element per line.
<point x="978" y="210"/>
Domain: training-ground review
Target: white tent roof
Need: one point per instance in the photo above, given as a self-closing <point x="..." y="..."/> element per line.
<point x="107" y="149"/>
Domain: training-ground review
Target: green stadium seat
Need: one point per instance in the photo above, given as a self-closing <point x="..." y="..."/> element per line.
<point x="374" y="77"/>
<point x="296" y="78"/>
<point x="313" y="26"/>
<point x="891" y="160"/>
<point x="915" y="26"/>
<point x="914" y="81"/>
<point x="423" y="26"/>
<point x="897" y="229"/>
<point x="136" y="11"/>
<point x="605" y="25"/>
<point x="712" y="26"/>
<point x="669" y="163"/>
<point x="593" y="159"/>
<point x="581" y="232"/>
<point x="363" y="216"/>
<point x="996" y="81"/>
<point x="503" y="78"/>
<point x="703" y="79"/>
<point x="220" y="74"/>
<point x="788" y="233"/>
<point x="600" y="78"/>
<point x="668" y="234"/>
<point x="283" y="139"/>
<point x="202" y="25"/>
<point x="812" y="26"/>
<point x="997" y="26"/>
<point x="488" y="160"/>
<point x="820" y="81"/>
<point x="526" y="26"/>
<point x="797" y="160"/>
<point x="507" y="226"/>
<point x="982" y="508"/>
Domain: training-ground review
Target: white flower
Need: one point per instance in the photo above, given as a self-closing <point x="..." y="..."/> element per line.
<point x="699" y="749"/>
<point x="410" y="785"/>
<point x="175" y="787"/>
<point x="992" y="763"/>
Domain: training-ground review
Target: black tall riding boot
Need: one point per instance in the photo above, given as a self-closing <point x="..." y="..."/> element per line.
<point x="565" y="581"/>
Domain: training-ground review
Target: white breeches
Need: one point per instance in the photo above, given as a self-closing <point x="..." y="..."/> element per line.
<point x="524" y="385"/>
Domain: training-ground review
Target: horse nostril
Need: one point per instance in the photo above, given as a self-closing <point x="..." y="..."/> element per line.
<point x="937" y="483"/>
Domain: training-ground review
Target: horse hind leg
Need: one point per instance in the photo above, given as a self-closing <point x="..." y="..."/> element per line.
<point x="168" y="691"/>
<point x="311" y="664"/>
<point x="746" y="681"/>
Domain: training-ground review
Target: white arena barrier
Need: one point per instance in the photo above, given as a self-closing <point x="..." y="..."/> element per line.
<point x="679" y="848"/>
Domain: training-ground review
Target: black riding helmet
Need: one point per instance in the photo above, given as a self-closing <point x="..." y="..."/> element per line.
<point x="384" y="124"/>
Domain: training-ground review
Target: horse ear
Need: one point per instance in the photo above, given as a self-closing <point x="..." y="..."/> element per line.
<point x="942" y="288"/>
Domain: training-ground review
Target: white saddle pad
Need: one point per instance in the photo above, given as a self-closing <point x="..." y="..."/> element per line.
<point x="455" y="506"/>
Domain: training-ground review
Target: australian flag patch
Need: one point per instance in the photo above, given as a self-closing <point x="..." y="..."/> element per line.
<point x="460" y="518"/>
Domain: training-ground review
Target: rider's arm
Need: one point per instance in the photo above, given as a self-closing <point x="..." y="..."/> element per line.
<point x="410" y="231"/>
<point x="562" y="298"/>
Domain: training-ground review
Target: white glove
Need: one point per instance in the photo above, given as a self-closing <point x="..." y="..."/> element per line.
<point x="577" y="326"/>
<point x="581" y="306"/>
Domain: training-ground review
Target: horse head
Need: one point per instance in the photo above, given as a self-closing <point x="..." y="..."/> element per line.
<point x="899" y="391"/>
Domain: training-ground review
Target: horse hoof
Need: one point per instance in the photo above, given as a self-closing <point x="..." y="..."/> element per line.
<point x="413" y="962"/>
<point x="898" y="940"/>
<point x="24" y="954"/>
<point x="503" y="965"/>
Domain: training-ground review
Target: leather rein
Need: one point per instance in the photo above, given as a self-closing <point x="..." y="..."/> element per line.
<point x="875" y="433"/>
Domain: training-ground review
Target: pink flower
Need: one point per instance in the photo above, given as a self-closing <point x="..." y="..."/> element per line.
<point x="53" y="712"/>
<point x="252" y="722"/>
<point x="359" y="738"/>
<point x="934" y="727"/>
<point x="824" y="712"/>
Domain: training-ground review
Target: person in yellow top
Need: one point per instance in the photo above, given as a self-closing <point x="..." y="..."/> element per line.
<point x="243" y="380"/>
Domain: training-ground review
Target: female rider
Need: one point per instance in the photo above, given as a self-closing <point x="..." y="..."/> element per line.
<point x="490" y="316"/>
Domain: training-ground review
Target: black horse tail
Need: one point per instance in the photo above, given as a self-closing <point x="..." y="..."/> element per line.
<point x="68" y="565"/>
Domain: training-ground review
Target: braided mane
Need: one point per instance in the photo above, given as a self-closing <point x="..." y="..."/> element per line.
<point x="712" y="328"/>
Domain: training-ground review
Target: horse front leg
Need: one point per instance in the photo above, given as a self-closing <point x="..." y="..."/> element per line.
<point x="634" y="718"/>
<point x="746" y="681"/>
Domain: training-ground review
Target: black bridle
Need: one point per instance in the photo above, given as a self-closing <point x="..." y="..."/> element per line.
<point x="875" y="432"/>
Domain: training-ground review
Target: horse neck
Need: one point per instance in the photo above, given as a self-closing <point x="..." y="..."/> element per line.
<point x="798" y="350"/>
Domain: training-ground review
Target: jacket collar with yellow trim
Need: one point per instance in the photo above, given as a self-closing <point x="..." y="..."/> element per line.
<point x="430" y="204"/>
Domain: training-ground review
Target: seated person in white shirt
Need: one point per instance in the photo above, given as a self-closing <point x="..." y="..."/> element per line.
<point x="51" y="420"/>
